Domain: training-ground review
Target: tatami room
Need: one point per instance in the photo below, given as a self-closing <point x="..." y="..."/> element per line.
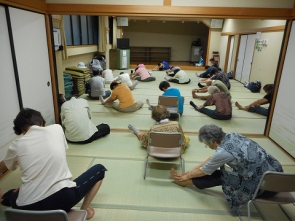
<point x="125" y="194"/>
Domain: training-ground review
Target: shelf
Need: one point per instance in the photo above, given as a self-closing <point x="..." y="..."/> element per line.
<point x="147" y="53"/>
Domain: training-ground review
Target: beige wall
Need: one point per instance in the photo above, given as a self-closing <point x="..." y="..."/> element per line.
<point x="109" y="2"/>
<point x="222" y="51"/>
<point x="231" y="25"/>
<point x="234" y="57"/>
<point x="177" y="35"/>
<point x="265" y="62"/>
<point x="74" y="60"/>
<point x="214" y="3"/>
<point x="215" y="40"/>
<point x="235" y="3"/>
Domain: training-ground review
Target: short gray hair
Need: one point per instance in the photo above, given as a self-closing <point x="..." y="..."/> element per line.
<point x="213" y="89"/>
<point x="211" y="133"/>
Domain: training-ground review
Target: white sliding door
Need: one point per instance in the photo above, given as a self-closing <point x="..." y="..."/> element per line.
<point x="282" y="128"/>
<point x="241" y="55"/>
<point x="29" y="36"/>
<point x="248" y="58"/>
<point x="232" y="41"/>
<point x="9" y="98"/>
<point x="245" y="57"/>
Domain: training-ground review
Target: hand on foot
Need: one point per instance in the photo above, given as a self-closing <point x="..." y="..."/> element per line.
<point x="90" y="213"/>
<point x="173" y="174"/>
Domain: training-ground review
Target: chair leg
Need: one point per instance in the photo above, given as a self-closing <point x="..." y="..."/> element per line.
<point x="284" y="211"/>
<point x="182" y="164"/>
<point x="259" y="211"/>
<point x="249" y="210"/>
<point x="240" y="217"/>
<point x="146" y="161"/>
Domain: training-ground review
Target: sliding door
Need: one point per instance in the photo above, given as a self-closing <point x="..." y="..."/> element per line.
<point x="282" y="128"/>
<point x="241" y="56"/>
<point x="248" y="58"/>
<point x="231" y="47"/>
<point x="245" y="57"/>
<point x="31" y="50"/>
<point x="9" y="97"/>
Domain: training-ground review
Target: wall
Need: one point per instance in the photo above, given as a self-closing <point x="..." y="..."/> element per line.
<point x="215" y="40"/>
<point x="222" y="51"/>
<point x="177" y="35"/>
<point x="265" y="62"/>
<point x="74" y="60"/>
<point x="215" y="3"/>
<point x="234" y="25"/>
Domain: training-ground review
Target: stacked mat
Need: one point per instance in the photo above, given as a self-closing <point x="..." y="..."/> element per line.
<point x="68" y="83"/>
<point x="80" y="76"/>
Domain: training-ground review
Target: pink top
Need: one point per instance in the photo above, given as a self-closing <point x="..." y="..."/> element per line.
<point x="140" y="66"/>
<point x="143" y="73"/>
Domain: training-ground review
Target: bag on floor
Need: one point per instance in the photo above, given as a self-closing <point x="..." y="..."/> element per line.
<point x="230" y="75"/>
<point x="254" y="87"/>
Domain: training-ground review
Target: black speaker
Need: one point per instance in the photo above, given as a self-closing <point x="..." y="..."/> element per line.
<point x="123" y="43"/>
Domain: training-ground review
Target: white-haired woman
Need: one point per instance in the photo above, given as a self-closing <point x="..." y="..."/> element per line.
<point x="161" y="115"/>
<point x="237" y="165"/>
<point x="223" y="110"/>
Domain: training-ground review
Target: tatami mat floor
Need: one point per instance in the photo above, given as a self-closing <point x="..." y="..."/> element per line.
<point x="125" y="195"/>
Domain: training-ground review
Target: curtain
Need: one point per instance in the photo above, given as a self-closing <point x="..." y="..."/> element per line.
<point x="115" y="28"/>
<point x="103" y="27"/>
<point x="63" y="39"/>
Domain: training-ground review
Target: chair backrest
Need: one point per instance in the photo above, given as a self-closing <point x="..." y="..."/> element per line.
<point x="45" y="215"/>
<point x="170" y="102"/>
<point x="164" y="145"/>
<point x="277" y="182"/>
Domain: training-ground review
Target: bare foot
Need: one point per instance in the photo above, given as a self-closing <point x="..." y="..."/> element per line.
<point x="90" y="213"/>
<point x="194" y="95"/>
<point x="1" y="194"/>
<point x="148" y="102"/>
<point x="239" y="106"/>
<point x="173" y="173"/>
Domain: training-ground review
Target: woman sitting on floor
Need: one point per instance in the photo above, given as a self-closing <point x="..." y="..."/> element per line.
<point x="180" y="77"/>
<point x="142" y="74"/>
<point x="40" y="154"/>
<point x="237" y="165"/>
<point x="161" y="115"/>
<point x="127" y="103"/>
<point x="222" y="102"/>
<point x="255" y="106"/>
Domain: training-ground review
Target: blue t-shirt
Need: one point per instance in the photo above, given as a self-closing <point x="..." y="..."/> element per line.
<point x="175" y="92"/>
<point x="166" y="65"/>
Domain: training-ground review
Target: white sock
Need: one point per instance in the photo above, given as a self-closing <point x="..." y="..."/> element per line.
<point x="134" y="129"/>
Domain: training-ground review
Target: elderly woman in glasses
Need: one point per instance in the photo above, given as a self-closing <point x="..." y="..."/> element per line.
<point x="237" y="165"/>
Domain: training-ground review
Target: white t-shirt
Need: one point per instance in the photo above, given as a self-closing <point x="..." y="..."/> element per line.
<point x="125" y="78"/>
<point x="97" y="86"/>
<point x="75" y="117"/>
<point x="108" y="75"/>
<point x="41" y="154"/>
<point x="181" y="76"/>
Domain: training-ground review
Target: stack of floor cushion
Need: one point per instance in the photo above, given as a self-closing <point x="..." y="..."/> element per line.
<point x="68" y="83"/>
<point x="80" y="76"/>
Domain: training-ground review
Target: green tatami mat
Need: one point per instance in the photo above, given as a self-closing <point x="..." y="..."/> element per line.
<point x="125" y="145"/>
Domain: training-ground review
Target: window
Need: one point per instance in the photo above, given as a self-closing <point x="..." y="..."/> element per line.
<point x="81" y="29"/>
